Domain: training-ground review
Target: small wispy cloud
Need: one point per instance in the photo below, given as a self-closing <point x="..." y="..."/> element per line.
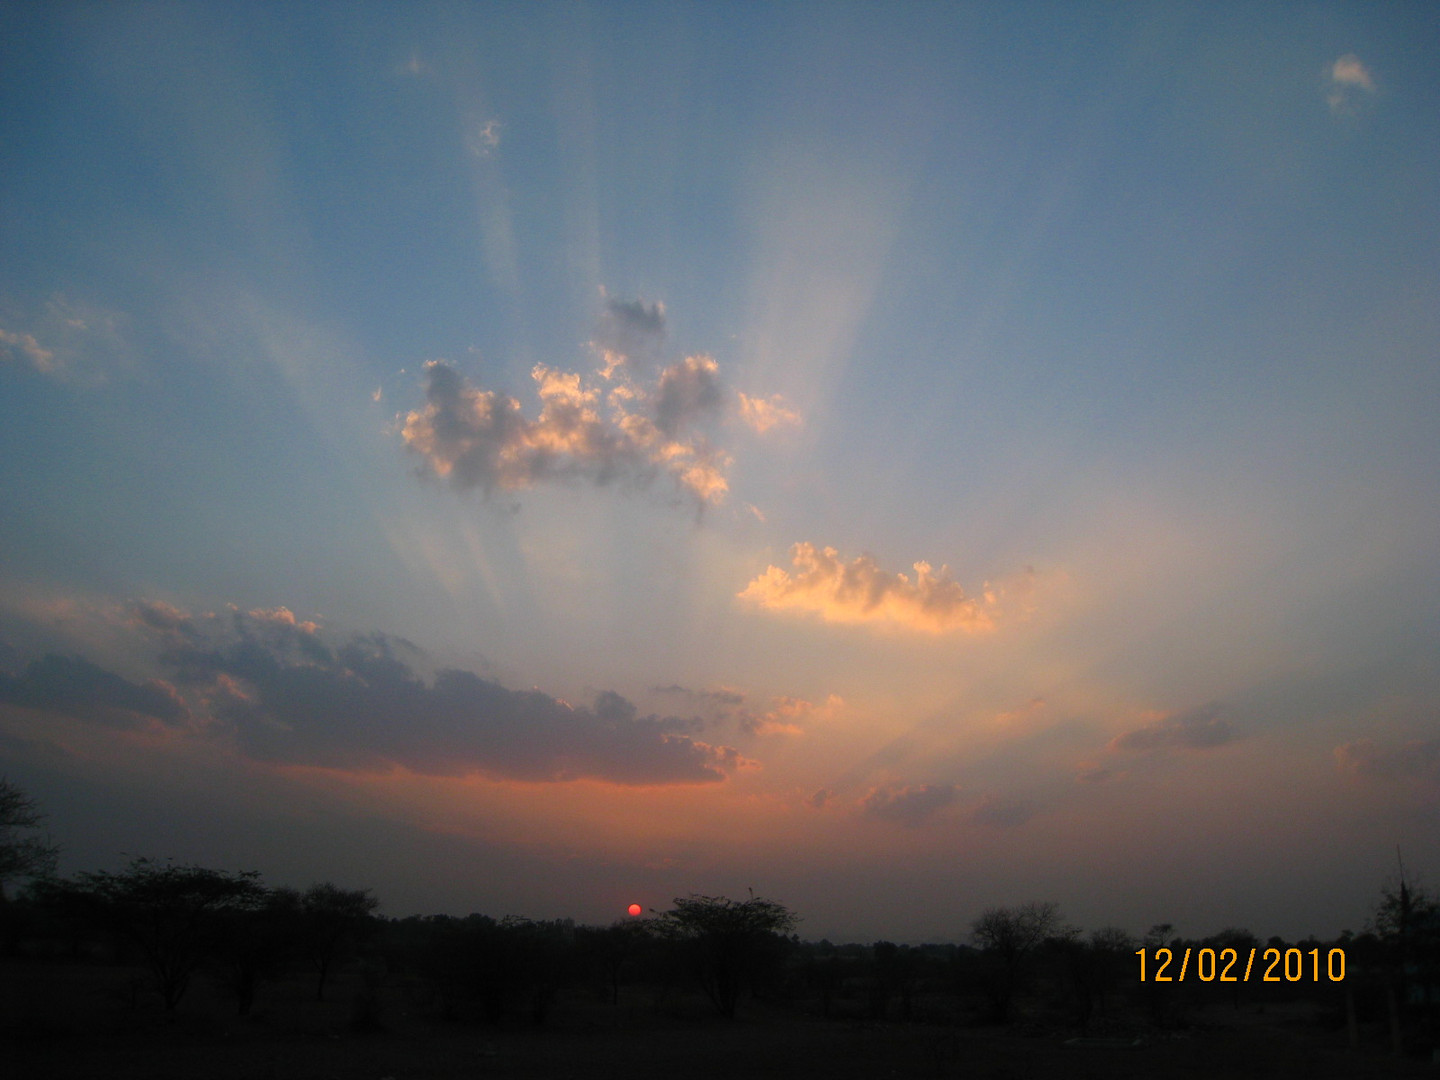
<point x="25" y="349"/>
<point x="860" y="591"/>
<point x="68" y="341"/>
<point x="1202" y="728"/>
<point x="997" y="813"/>
<point x="909" y="806"/>
<point x="414" y="66"/>
<point x="1350" y="84"/>
<point x="484" y="139"/>
<point x="1417" y="761"/>
<point x="789" y="715"/>
<point x="762" y="414"/>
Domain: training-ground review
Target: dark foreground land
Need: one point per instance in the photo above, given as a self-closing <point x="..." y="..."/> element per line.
<point x="85" y="1022"/>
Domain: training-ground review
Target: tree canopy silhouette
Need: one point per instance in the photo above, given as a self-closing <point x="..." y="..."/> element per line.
<point x="726" y="941"/>
<point x="21" y="854"/>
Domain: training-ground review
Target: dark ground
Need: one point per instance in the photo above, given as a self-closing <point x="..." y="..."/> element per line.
<point x="63" y="1022"/>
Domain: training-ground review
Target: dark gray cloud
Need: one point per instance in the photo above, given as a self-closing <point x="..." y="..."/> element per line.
<point x="286" y="697"/>
<point x="720" y="696"/>
<point x="630" y="333"/>
<point x="73" y="686"/>
<point x="910" y="806"/>
<point x="164" y="620"/>
<point x="689" y="391"/>
<point x="1001" y="814"/>
<point x="1414" y="761"/>
<point x="1202" y="728"/>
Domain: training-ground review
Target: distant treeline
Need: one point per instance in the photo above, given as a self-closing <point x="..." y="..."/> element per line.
<point x="1021" y="965"/>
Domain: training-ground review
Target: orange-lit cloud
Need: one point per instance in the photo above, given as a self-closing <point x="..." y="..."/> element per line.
<point x="861" y="592"/>
<point x="789" y="716"/>
<point x="762" y="414"/>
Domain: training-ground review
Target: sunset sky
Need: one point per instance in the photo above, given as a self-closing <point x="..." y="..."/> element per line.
<point x="904" y="459"/>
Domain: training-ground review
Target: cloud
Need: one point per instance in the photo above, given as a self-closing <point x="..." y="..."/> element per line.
<point x="630" y="334"/>
<point x="72" y="686"/>
<point x="68" y="341"/>
<point x="1202" y="728"/>
<point x="761" y="414"/>
<point x="688" y="390"/>
<point x="617" y="424"/>
<point x="721" y="694"/>
<point x="286" y="697"/>
<point x="997" y="813"/>
<point x="788" y="716"/>
<point x="24" y="348"/>
<point x="909" y="806"/>
<point x="1415" y="761"/>
<point x="1350" y="85"/>
<point x="861" y="592"/>
<point x="484" y="139"/>
<point x="167" y="622"/>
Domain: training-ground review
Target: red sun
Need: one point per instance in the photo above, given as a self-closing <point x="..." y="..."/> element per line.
<point x="634" y="909"/>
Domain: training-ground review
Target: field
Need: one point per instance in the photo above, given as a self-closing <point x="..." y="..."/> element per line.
<point x="83" y="1021"/>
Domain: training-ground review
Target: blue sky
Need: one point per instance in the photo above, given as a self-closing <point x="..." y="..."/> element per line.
<point x="529" y="458"/>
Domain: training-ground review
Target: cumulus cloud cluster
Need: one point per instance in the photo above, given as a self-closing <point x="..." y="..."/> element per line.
<point x="860" y="591"/>
<point x="632" y="418"/>
<point x="1202" y="728"/>
<point x="272" y="683"/>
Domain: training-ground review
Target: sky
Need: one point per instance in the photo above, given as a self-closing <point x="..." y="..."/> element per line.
<point x="903" y="459"/>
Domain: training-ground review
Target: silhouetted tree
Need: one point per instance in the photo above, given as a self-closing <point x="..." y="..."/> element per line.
<point x="336" y="920"/>
<point x="1007" y="937"/>
<point x="168" y="912"/>
<point x="1407" y="924"/>
<point x="608" y="950"/>
<point x="726" y="941"/>
<point x="22" y="855"/>
<point x="252" y="937"/>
